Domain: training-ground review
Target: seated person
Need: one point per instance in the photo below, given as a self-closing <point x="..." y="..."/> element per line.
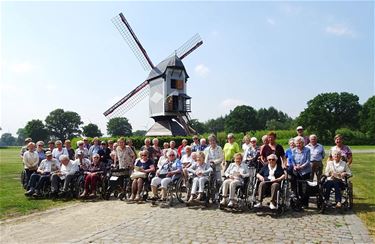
<point x="163" y="158"/>
<point x="143" y="165"/>
<point x="170" y="170"/>
<point x="42" y="175"/>
<point x="186" y="161"/>
<point x="269" y="177"/>
<point x="235" y="174"/>
<point x="336" y="171"/>
<point x="66" y="174"/>
<point x="82" y="162"/>
<point x="200" y="171"/>
<point x="92" y="176"/>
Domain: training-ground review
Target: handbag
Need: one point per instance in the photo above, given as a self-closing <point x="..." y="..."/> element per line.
<point x="137" y="174"/>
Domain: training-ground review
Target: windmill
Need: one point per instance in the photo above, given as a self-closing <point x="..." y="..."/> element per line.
<point x="165" y="85"/>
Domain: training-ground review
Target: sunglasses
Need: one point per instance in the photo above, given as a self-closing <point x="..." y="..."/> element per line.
<point x="172" y="155"/>
<point x="143" y="155"/>
<point x="271" y="159"/>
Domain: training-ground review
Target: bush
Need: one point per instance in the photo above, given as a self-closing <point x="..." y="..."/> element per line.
<point x="355" y="137"/>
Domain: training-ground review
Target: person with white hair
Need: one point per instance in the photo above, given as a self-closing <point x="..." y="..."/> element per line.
<point x="270" y="177"/>
<point x="252" y="152"/>
<point x="147" y="146"/>
<point x="214" y="156"/>
<point x="170" y="170"/>
<point x="81" y="148"/>
<point x="67" y="171"/>
<point x="317" y="155"/>
<point x="301" y="167"/>
<point x="30" y="161"/>
<point x="59" y="150"/>
<point x="40" y="150"/>
<point x="157" y="149"/>
<point x="246" y="143"/>
<point x="200" y="171"/>
<point x="203" y="145"/>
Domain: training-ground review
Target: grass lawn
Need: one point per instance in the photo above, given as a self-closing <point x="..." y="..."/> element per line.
<point x="12" y="199"/>
<point x="14" y="203"/>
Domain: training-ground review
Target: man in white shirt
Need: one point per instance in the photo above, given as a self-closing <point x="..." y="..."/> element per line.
<point x="66" y="173"/>
<point x="30" y="162"/>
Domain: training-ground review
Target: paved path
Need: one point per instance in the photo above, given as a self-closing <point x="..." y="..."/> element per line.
<point x="116" y="221"/>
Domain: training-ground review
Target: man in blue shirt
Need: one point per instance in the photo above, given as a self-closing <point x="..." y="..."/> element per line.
<point x="317" y="155"/>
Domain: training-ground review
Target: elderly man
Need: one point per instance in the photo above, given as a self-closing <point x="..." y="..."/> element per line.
<point x="25" y="147"/>
<point x="300" y="131"/>
<point x="66" y="175"/>
<point x="42" y="176"/>
<point x="317" y="155"/>
<point x="30" y="161"/>
<point x="59" y="150"/>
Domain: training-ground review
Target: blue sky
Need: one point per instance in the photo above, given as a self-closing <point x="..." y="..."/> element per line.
<point x="69" y="55"/>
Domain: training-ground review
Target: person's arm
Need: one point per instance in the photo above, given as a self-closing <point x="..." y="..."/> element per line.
<point x="323" y="152"/>
<point x="347" y="171"/>
<point x="245" y="173"/>
<point x="227" y="172"/>
<point x="307" y="158"/>
<point x="328" y="169"/>
<point x="207" y="170"/>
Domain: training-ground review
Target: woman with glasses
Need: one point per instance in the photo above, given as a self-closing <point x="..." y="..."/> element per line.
<point x="143" y="165"/>
<point x="40" y="150"/>
<point x="270" y="177"/>
<point x="92" y="176"/>
<point x="166" y="174"/>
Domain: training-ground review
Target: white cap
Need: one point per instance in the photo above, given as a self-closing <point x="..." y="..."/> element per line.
<point x="299" y="128"/>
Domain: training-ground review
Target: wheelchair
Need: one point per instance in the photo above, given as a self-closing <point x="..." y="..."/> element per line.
<point x="346" y="189"/>
<point x="117" y="181"/>
<point x="242" y="196"/>
<point x="23" y="179"/>
<point x="309" y="188"/>
<point x="254" y="168"/>
<point x="173" y="193"/>
<point x="208" y="194"/>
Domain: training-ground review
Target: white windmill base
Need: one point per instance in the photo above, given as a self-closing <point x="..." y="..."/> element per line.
<point x="169" y="126"/>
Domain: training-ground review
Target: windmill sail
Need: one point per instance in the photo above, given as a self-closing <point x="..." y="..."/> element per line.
<point x="188" y="47"/>
<point x="135" y="45"/>
<point x="129" y="101"/>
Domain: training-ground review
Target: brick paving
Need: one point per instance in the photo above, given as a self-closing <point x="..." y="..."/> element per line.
<point x="118" y="222"/>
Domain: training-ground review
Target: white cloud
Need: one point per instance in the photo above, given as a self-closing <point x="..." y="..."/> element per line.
<point x="23" y="67"/>
<point x="230" y="103"/>
<point x="339" y="30"/>
<point x="202" y="70"/>
<point x="271" y="21"/>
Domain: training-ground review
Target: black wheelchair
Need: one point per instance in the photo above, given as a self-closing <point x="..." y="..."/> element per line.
<point x="118" y="182"/>
<point x="346" y="190"/>
<point x="174" y="192"/>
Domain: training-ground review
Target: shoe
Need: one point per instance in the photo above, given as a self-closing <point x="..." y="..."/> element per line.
<point x="137" y="198"/>
<point x="132" y="197"/>
<point x="29" y="192"/>
<point x="92" y="194"/>
<point x="223" y="202"/>
<point x="230" y="204"/>
<point x="199" y="197"/>
<point x="191" y="199"/>
<point x="154" y="198"/>
<point x="338" y="205"/>
<point x="84" y="194"/>
<point x="272" y="206"/>
<point x="37" y="194"/>
<point x="258" y="205"/>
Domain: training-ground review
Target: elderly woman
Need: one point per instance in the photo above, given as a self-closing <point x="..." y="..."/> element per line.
<point x="195" y="144"/>
<point x="68" y="146"/>
<point x="94" y="148"/>
<point x="230" y="149"/>
<point x="288" y="154"/>
<point x="92" y="176"/>
<point x="235" y="174"/>
<point x="59" y="150"/>
<point x="273" y="148"/>
<point x="169" y="170"/>
<point x="246" y="143"/>
<point x="81" y="148"/>
<point x="157" y="149"/>
<point x="30" y="161"/>
<point x="346" y="152"/>
<point x="251" y="154"/>
<point x="336" y="171"/>
<point x="214" y="156"/>
<point x="144" y="165"/>
<point x="186" y="161"/>
<point x="301" y="167"/>
<point x="66" y="174"/>
<point x="40" y="150"/>
<point x="181" y="151"/>
<point x="270" y="177"/>
<point x="200" y="171"/>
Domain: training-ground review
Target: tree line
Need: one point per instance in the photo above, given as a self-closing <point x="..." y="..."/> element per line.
<point x="324" y="115"/>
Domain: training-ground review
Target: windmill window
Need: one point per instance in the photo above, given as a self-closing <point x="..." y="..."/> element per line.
<point x="177" y="84"/>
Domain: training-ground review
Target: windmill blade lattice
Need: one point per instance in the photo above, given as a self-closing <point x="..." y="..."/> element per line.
<point x="131" y="39"/>
<point x="129" y="101"/>
<point x="188" y="47"/>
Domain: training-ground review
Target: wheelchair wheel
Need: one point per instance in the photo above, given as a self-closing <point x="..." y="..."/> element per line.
<point x="250" y="194"/>
<point x="182" y="192"/>
<point x="350" y="195"/>
<point x="23" y="179"/>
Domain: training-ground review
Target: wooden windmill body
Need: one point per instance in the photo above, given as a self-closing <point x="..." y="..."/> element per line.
<point x="169" y="104"/>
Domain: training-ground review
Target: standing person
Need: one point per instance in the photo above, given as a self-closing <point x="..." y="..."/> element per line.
<point x="246" y="143"/>
<point x="30" y="161"/>
<point x="110" y="145"/>
<point x="82" y="148"/>
<point x="25" y="147"/>
<point x="317" y="155"/>
<point x="301" y="168"/>
<point x="230" y="149"/>
<point x="186" y="161"/>
<point x="346" y="152"/>
<point x="214" y="157"/>
<point x="59" y="150"/>
<point x="129" y="142"/>
<point x="125" y="155"/>
<point x="165" y="147"/>
<point x="86" y="143"/>
<point x="172" y="145"/>
<point x="149" y="148"/>
<point x="68" y="146"/>
<point x="40" y="151"/>
<point x="289" y="154"/>
<point x="264" y="143"/>
<point x="94" y="149"/>
<point x="157" y="149"/>
<point x="273" y="148"/>
<point x="195" y="144"/>
<point x="203" y="145"/>
<point x="105" y="154"/>
<point x="51" y="146"/>
<point x="181" y="149"/>
<point x="252" y="154"/>
<point x="300" y="131"/>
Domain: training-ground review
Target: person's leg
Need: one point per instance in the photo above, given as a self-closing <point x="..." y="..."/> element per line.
<point x="336" y="186"/>
<point x="232" y="189"/>
<point x="319" y="170"/>
<point x="274" y="188"/>
<point x="202" y="181"/>
<point x="28" y="177"/>
<point x="328" y="185"/>
<point x="134" y="188"/>
<point x="34" y="179"/>
<point x="55" y="183"/>
<point x="139" y="189"/>
<point x="194" y="186"/>
<point x="94" y="180"/>
<point x="314" y="167"/>
<point x="305" y="196"/>
<point x="226" y="185"/>
<point x="68" y="180"/>
<point x="261" y="190"/>
<point x="88" y="180"/>
<point x="164" y="185"/>
<point x="154" y="186"/>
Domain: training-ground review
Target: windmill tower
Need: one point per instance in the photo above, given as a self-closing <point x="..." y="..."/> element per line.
<point x="169" y="103"/>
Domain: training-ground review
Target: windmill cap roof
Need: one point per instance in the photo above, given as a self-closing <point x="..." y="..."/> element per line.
<point x="159" y="70"/>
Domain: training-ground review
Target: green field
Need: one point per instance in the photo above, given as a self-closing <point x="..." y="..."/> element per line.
<point x="14" y="203"/>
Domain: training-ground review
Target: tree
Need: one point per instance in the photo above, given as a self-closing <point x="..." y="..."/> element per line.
<point x="215" y="125"/>
<point x="139" y="133"/>
<point x="91" y="130"/>
<point x="7" y="140"/>
<point x="328" y="112"/>
<point x="63" y="125"/>
<point x="21" y="136"/>
<point x="119" y="126"/>
<point x="367" y="117"/>
<point x="36" y="130"/>
<point x="242" y="119"/>
<point x="199" y="127"/>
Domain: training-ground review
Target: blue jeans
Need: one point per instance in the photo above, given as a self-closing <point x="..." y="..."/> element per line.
<point x="335" y="184"/>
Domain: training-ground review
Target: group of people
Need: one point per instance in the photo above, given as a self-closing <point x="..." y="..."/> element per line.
<point x="303" y="160"/>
